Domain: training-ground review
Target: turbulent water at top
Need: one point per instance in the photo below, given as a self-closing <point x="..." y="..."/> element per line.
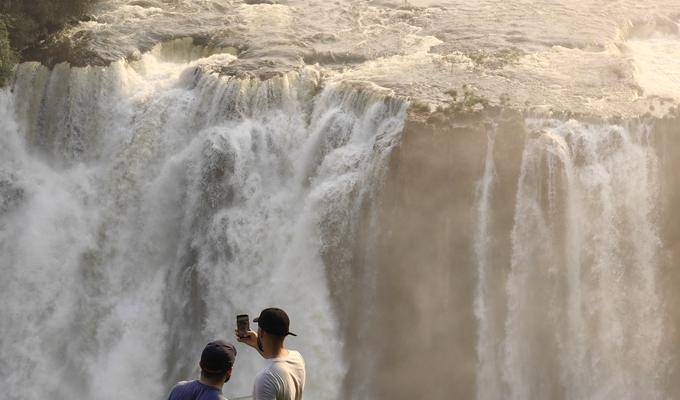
<point x="146" y="204"/>
<point x="581" y="56"/>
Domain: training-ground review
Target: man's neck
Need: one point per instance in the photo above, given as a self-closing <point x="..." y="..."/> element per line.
<point x="278" y="352"/>
<point x="212" y="384"/>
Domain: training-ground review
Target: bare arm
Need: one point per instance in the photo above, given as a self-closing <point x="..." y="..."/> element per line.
<point x="250" y="340"/>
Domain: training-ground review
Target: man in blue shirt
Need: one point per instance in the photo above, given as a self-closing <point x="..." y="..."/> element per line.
<point x="217" y="361"/>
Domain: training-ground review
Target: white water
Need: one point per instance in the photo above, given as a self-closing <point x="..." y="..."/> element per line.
<point x="584" y="319"/>
<point x="489" y="385"/>
<point x="653" y="47"/>
<point x="145" y="205"/>
<point x="656" y="65"/>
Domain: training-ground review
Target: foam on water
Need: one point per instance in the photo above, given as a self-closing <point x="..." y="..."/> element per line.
<point x="657" y="69"/>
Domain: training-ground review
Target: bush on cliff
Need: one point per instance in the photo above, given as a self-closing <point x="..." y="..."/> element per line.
<point x="464" y="103"/>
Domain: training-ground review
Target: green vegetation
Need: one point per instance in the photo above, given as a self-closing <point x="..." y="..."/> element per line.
<point x="467" y="105"/>
<point x="24" y="24"/>
<point x="420" y="107"/>
<point x="467" y="102"/>
<point x="495" y="59"/>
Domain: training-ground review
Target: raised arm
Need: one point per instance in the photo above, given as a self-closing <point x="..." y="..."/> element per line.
<point x="250" y="340"/>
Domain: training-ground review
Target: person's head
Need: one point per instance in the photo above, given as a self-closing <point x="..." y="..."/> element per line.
<point x="217" y="361"/>
<point x="273" y="325"/>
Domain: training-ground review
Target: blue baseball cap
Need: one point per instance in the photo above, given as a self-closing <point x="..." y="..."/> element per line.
<point x="218" y="357"/>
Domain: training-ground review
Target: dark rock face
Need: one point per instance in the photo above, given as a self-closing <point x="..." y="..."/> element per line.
<point x="30" y="26"/>
<point x="6" y="54"/>
<point x="425" y="257"/>
<point x="425" y="328"/>
<point x="667" y="139"/>
<point x="72" y="50"/>
<point x="427" y="272"/>
<point x="33" y="22"/>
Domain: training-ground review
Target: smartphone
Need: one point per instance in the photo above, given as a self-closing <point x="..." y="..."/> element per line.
<point x="242" y="325"/>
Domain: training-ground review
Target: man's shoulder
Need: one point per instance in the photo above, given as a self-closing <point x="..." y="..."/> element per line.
<point x="190" y="388"/>
<point x="181" y="385"/>
<point x="296" y="355"/>
<point x="295" y="358"/>
<point x="178" y="390"/>
<point x="282" y="367"/>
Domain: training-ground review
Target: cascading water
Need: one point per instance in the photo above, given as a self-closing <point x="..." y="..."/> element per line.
<point x="247" y="161"/>
<point x="488" y="384"/>
<point x="145" y="204"/>
<point x="584" y="318"/>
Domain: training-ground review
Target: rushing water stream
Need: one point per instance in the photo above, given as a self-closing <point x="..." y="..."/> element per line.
<point x="229" y="156"/>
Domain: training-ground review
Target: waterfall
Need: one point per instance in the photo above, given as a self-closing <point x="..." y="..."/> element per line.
<point x="489" y="386"/>
<point x="143" y="205"/>
<point x="584" y="318"/>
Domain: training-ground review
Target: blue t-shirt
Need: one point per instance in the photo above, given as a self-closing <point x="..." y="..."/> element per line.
<point x="195" y="390"/>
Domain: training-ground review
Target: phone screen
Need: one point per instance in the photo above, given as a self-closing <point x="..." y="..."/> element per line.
<point x="242" y="325"/>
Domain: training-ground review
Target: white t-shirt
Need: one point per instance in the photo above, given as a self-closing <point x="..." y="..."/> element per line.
<point x="282" y="379"/>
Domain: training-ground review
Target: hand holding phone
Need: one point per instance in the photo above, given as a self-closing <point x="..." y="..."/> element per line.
<point x="242" y="325"/>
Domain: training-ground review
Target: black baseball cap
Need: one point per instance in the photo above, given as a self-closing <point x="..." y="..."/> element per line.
<point x="274" y="321"/>
<point x="218" y="357"/>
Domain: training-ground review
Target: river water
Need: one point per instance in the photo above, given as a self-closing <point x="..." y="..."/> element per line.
<point x="201" y="159"/>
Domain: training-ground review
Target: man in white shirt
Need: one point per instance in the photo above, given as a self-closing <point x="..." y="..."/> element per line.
<point x="284" y="376"/>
